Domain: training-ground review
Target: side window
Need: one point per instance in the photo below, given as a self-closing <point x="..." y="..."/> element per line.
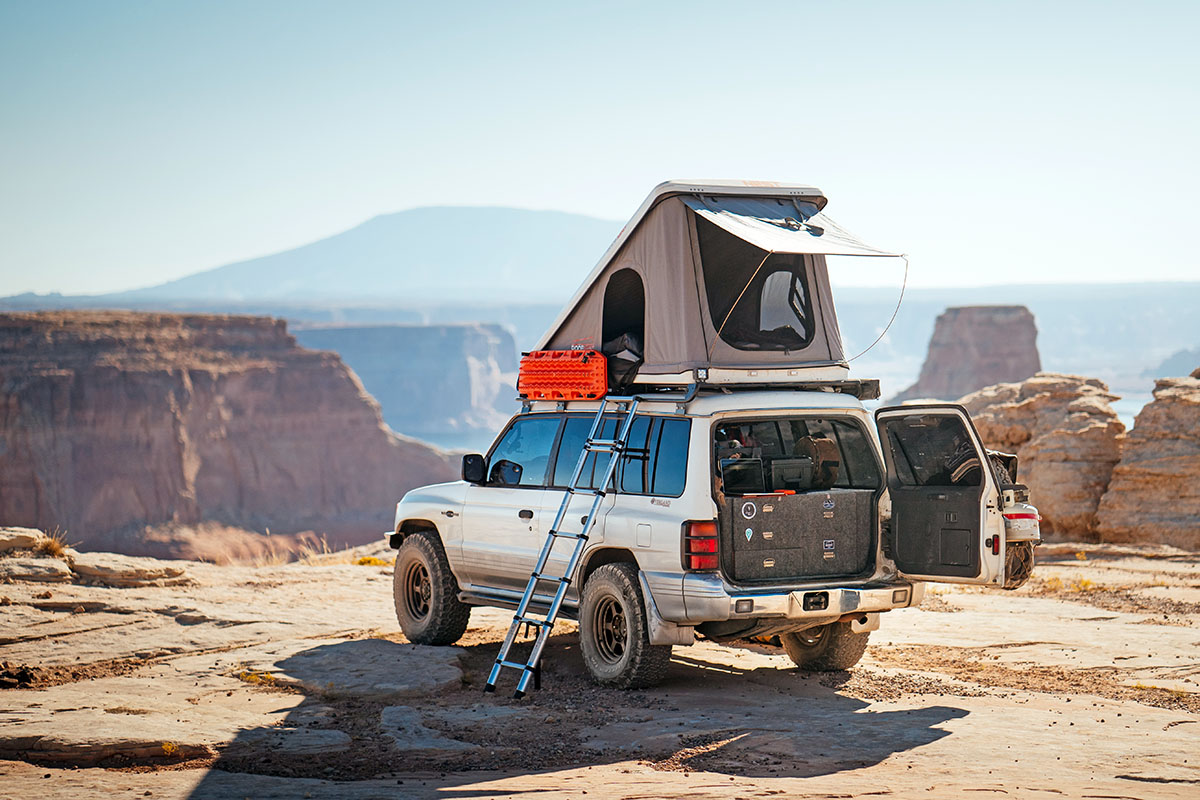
<point x="932" y="450"/>
<point x="527" y="445"/>
<point x="654" y="463"/>
<point x="637" y="465"/>
<point x="670" y="448"/>
<point x="574" y="434"/>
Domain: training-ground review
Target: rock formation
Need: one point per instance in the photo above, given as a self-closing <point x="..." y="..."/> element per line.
<point x="470" y="369"/>
<point x="1154" y="496"/>
<point x="973" y="347"/>
<point x="120" y="428"/>
<point x="1067" y="438"/>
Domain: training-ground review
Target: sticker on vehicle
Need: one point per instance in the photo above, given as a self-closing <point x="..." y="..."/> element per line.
<point x="749" y="510"/>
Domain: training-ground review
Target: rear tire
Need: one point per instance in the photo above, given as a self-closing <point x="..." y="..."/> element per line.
<point x="828" y="648"/>
<point x="1018" y="564"/>
<point x="426" y="593"/>
<point x="614" y="636"/>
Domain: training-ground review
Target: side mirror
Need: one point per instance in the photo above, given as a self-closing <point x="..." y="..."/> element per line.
<point x="474" y="468"/>
<point x="506" y="473"/>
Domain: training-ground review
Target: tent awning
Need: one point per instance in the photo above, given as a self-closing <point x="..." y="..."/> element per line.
<point x="781" y="226"/>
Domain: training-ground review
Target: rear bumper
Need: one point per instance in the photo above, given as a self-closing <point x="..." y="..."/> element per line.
<point x="704" y="597"/>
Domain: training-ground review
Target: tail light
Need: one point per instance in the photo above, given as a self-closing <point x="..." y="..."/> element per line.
<point x="700" y="545"/>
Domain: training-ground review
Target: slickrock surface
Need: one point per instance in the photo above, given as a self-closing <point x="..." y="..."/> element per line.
<point x="111" y="569"/>
<point x="265" y="682"/>
<point x="442" y="383"/>
<point x="1154" y="495"/>
<point x="1067" y="437"/>
<point x="973" y="347"/>
<point x="19" y="538"/>
<point x="123" y="428"/>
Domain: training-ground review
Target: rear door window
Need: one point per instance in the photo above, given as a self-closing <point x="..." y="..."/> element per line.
<point x="766" y="455"/>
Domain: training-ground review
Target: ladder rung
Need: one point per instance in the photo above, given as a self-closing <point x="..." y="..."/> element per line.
<point x="513" y="664"/>
<point x="541" y="623"/>
<point x="544" y="577"/>
<point x="585" y="490"/>
<point x="562" y="535"/>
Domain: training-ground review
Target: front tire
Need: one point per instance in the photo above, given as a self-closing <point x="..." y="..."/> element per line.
<point x="828" y="648"/>
<point x="614" y="636"/>
<point x="426" y="593"/>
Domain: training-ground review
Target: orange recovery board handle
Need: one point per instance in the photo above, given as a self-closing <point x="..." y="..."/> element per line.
<point x="563" y="375"/>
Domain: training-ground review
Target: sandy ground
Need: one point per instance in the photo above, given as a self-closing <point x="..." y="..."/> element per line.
<point x="293" y="681"/>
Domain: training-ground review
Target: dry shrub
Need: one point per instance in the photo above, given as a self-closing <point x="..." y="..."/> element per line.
<point x="53" y="544"/>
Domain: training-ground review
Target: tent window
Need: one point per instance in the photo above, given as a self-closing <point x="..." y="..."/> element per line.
<point x="774" y="311"/>
<point x="783" y="304"/>
<point x="624" y="306"/>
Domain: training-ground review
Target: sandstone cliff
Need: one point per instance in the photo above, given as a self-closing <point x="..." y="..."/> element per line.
<point x="1154" y="495"/>
<point x="1068" y="439"/>
<point x="973" y="347"/>
<point x="150" y="433"/>
<point x="470" y="369"/>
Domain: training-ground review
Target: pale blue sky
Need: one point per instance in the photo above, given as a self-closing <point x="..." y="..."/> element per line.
<point x="994" y="142"/>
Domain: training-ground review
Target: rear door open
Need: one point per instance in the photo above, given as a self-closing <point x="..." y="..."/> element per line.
<point x="946" y="524"/>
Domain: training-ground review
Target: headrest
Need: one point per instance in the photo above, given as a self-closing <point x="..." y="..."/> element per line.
<point x="825" y="457"/>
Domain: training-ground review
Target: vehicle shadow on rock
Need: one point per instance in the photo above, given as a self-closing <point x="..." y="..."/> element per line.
<point x="381" y="709"/>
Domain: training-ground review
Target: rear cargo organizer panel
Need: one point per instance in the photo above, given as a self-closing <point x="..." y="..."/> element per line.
<point x="783" y="537"/>
<point x="563" y="375"/>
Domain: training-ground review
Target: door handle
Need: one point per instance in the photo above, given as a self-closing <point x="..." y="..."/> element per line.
<point x="448" y="513"/>
<point x="525" y="513"/>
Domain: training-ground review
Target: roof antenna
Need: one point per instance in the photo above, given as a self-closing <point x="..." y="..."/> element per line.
<point x="894" y="313"/>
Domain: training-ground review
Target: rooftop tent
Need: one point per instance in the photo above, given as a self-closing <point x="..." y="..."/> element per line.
<point x="717" y="276"/>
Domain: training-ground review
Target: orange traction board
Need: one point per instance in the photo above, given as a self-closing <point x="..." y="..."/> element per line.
<point x="563" y="375"/>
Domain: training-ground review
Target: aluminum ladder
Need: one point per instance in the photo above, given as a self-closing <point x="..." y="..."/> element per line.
<point x="545" y="624"/>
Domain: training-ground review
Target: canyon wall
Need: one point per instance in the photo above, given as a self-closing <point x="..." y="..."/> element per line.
<point x="973" y="347"/>
<point x="454" y="385"/>
<point x="1067" y="438"/>
<point x="124" y="429"/>
<point x="1154" y="495"/>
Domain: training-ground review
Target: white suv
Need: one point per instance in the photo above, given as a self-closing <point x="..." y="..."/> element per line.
<point x="734" y="513"/>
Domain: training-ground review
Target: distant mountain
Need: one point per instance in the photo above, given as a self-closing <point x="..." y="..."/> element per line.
<point x="441" y="254"/>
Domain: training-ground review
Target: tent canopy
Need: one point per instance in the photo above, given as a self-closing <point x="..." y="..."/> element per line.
<point x="717" y="275"/>
<point x="780" y="225"/>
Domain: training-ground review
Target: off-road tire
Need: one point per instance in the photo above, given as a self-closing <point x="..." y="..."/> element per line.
<point x="1018" y="564"/>
<point x="828" y="648"/>
<point x="426" y="593"/>
<point x="614" y="636"/>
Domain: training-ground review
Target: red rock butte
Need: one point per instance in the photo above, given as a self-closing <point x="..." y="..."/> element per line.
<point x="973" y="347"/>
<point x="192" y="435"/>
